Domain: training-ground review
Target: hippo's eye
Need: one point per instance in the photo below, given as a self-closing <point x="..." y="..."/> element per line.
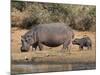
<point x="28" y="36"/>
<point x="26" y="40"/>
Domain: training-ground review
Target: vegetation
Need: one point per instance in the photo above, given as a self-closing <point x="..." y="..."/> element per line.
<point x="27" y="14"/>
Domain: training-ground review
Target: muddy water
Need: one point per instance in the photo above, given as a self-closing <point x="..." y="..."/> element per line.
<point x="36" y="68"/>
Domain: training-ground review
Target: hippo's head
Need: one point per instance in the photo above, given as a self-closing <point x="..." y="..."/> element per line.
<point x="26" y="41"/>
<point x="75" y="41"/>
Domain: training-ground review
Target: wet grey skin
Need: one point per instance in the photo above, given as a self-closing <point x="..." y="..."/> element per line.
<point x="51" y="35"/>
<point x="83" y="42"/>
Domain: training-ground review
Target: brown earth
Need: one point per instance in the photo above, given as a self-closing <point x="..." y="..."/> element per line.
<point x="53" y="54"/>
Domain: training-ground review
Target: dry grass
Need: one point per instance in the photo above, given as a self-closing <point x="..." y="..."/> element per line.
<point x="53" y="54"/>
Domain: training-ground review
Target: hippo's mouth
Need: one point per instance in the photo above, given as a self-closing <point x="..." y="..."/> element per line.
<point x="73" y="42"/>
<point x="23" y="50"/>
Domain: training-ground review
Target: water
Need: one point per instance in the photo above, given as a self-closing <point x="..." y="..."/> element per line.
<point x="37" y="68"/>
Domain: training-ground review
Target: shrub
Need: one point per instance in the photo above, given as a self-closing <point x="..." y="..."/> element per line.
<point x="27" y="14"/>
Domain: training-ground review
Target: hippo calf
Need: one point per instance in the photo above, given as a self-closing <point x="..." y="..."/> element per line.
<point x="83" y="42"/>
<point x="51" y="35"/>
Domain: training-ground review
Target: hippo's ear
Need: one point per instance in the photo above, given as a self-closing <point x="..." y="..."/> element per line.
<point x="21" y="36"/>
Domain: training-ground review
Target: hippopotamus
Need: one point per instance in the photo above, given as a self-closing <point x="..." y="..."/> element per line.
<point x="83" y="42"/>
<point x="51" y="35"/>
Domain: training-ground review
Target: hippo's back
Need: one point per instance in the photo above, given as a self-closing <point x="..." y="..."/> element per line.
<point x="53" y="28"/>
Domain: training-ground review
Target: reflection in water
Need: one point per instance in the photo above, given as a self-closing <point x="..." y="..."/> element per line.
<point x="35" y="68"/>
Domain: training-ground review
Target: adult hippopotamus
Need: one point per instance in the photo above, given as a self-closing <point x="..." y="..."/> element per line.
<point x="51" y="35"/>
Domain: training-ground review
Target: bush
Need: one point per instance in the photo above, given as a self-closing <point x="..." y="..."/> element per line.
<point x="27" y="14"/>
<point x="29" y="22"/>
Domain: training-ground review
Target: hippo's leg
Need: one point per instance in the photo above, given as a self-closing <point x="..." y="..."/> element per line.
<point x="81" y="47"/>
<point x="40" y="46"/>
<point x="35" y="48"/>
<point x="66" y="45"/>
<point x="32" y="49"/>
<point x="90" y="47"/>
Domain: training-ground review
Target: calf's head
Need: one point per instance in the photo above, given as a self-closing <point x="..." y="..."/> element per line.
<point x="26" y="41"/>
<point x="75" y="41"/>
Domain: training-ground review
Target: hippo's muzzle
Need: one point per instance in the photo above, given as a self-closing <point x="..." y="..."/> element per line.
<point x="23" y="49"/>
<point x="73" y="42"/>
